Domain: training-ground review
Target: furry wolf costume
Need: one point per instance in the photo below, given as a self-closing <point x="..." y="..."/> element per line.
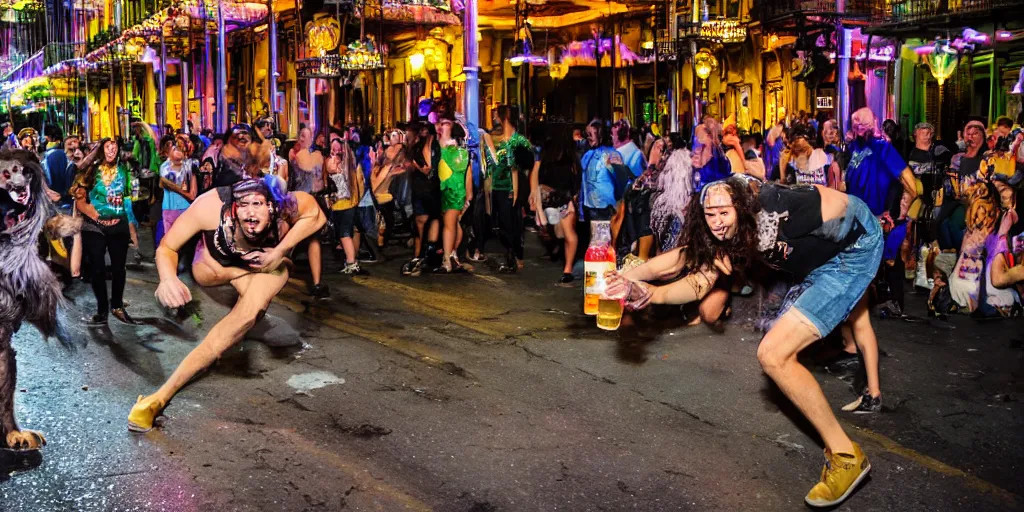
<point x="29" y="290"/>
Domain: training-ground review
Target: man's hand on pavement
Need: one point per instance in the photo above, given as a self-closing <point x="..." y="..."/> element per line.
<point x="173" y="293"/>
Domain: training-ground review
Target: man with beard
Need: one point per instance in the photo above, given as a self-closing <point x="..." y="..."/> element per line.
<point x="875" y="174"/>
<point x="235" y="161"/>
<point x="248" y="230"/>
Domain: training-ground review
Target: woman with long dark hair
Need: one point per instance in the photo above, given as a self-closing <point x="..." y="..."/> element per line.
<point x="831" y="242"/>
<point x="102" y="194"/>
<point x="554" y="188"/>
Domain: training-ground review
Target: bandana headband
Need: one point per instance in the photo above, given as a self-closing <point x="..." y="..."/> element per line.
<point x="715" y="185"/>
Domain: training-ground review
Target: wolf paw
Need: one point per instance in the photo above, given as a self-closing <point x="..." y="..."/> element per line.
<point x="25" y="440"/>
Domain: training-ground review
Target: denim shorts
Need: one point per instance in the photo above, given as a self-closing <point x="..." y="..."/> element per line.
<point x="830" y="292"/>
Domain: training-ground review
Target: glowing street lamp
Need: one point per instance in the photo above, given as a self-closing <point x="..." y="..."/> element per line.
<point x="416" y="63"/>
<point x="704" y="63"/>
<point x="942" y="60"/>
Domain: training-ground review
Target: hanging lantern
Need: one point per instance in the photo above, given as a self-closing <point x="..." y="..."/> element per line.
<point x="704" y="63"/>
<point x="323" y="35"/>
<point x="942" y="61"/>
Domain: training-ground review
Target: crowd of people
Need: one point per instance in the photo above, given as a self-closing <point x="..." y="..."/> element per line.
<point x="845" y="221"/>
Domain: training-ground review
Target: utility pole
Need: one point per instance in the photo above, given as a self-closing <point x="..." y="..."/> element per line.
<point x="272" y="72"/>
<point x="843" y="79"/>
<point x="471" y="66"/>
<point x="222" y="72"/>
<point x="673" y="70"/>
<point x="161" y="107"/>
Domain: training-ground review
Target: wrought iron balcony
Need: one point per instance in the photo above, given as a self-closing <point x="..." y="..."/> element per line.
<point x="60" y="52"/>
<point x="914" y="12"/>
<point x="773" y="11"/>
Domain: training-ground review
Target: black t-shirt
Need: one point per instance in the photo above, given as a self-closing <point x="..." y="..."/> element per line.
<point x="929" y="166"/>
<point x="423" y="184"/>
<point x="789" y="228"/>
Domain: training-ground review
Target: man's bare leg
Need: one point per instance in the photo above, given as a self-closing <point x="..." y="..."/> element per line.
<point x="255" y="293"/>
<point x="777" y="354"/>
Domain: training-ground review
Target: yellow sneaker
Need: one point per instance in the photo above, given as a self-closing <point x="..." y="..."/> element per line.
<point x="839" y="477"/>
<point x="145" y="411"/>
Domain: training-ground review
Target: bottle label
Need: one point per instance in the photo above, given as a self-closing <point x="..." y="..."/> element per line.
<point x="593" y="276"/>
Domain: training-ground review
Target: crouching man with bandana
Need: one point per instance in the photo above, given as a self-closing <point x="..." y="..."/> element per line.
<point x="248" y="230"/>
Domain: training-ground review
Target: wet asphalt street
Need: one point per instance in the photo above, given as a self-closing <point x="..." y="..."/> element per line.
<point x="488" y="392"/>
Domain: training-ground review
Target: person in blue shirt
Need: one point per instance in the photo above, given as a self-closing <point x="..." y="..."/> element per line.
<point x="55" y="164"/>
<point x="597" y="195"/>
<point x="875" y="166"/>
<point x="878" y="175"/>
<point x="709" y="161"/>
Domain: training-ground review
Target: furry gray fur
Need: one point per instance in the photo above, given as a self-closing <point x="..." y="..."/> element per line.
<point x="29" y="290"/>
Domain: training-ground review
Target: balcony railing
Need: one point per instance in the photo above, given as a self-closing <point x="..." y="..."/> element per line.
<point x="60" y="52"/>
<point x="770" y="10"/>
<point x="920" y="11"/>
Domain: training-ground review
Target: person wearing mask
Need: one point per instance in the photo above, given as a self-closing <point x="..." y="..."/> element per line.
<point x="102" y="192"/>
<point x="831" y="241"/>
<point x="506" y="164"/>
<point x="456" y="190"/>
<point x="553" y="190"/>
<point x="306" y="170"/>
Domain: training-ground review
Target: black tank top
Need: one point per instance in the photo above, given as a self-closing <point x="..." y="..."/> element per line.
<point x="221" y="241"/>
<point x="791" y="235"/>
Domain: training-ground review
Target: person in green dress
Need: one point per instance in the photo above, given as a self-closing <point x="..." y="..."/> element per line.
<point x="456" y="189"/>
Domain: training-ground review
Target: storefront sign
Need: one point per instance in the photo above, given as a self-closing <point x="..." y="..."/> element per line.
<point x="824" y="102"/>
<point x="726" y="31"/>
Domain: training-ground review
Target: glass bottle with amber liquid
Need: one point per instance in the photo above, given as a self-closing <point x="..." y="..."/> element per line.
<point x="599" y="259"/>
